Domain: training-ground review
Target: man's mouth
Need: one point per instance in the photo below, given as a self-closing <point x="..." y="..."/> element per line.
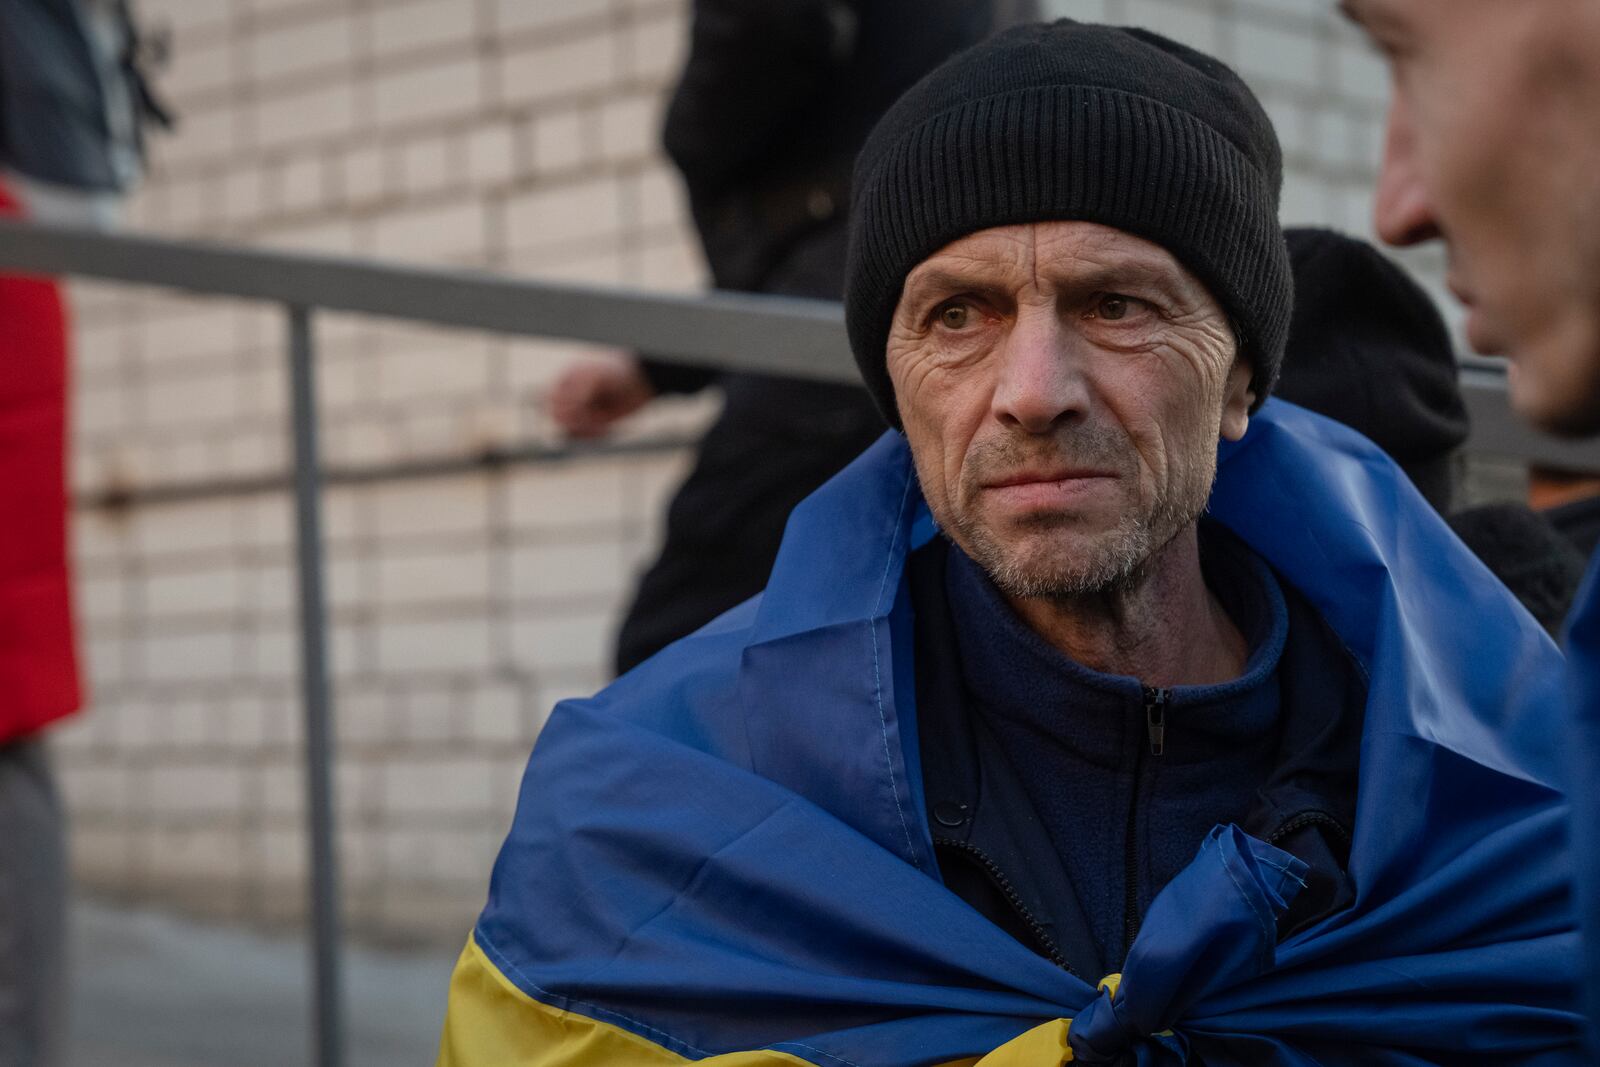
<point x="1046" y="490"/>
<point x="1045" y="477"/>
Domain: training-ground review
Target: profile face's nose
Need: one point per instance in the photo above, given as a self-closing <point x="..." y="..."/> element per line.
<point x="1403" y="213"/>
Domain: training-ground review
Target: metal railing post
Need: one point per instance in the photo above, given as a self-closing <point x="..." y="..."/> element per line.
<point x="328" y="990"/>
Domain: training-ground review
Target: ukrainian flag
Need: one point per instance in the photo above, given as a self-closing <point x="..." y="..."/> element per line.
<point x="722" y="857"/>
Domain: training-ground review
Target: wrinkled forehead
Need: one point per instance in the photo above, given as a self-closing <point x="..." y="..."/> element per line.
<point x="1054" y="255"/>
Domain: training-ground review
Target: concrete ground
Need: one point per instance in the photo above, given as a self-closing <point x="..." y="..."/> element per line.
<point x="154" y="991"/>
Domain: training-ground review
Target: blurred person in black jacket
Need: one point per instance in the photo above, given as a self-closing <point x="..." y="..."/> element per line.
<point x="1368" y="348"/>
<point x="775" y="101"/>
<point x="74" y="105"/>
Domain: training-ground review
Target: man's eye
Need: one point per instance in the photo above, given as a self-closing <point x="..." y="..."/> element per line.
<point x="1111" y="307"/>
<point x="954" y="316"/>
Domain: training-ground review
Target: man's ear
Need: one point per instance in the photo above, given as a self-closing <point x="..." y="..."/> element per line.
<point x="1237" y="400"/>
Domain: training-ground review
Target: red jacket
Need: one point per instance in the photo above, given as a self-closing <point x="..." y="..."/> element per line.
<point x="38" y="660"/>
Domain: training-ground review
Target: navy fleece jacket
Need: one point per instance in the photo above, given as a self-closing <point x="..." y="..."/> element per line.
<point x="1123" y="819"/>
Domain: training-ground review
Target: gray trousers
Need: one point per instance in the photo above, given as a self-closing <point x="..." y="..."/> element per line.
<point x="33" y="888"/>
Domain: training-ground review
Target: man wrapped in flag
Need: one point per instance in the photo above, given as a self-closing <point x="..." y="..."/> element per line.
<point x="1103" y="712"/>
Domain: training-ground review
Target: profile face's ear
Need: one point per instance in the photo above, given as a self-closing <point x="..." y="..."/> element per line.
<point x="1237" y="400"/>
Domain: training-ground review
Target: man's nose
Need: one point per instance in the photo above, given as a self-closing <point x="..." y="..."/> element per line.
<point x="1041" y="381"/>
<point x="1403" y="213"/>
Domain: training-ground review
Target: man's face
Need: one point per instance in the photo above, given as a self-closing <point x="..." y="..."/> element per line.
<point x="1063" y="386"/>
<point x="1494" y="145"/>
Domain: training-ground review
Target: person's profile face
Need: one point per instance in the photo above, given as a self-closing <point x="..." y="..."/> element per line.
<point x="1063" y="386"/>
<point x="1493" y="145"/>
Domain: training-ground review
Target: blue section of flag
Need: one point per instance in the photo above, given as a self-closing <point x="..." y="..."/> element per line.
<point x="1581" y="734"/>
<point x="725" y="850"/>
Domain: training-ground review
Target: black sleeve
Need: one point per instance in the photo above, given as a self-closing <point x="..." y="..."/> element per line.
<point x="667" y="378"/>
<point x="754" y="66"/>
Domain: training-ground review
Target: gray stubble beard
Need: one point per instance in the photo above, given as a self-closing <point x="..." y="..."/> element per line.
<point x="1119" y="561"/>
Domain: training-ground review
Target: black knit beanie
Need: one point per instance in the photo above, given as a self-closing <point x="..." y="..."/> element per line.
<point x="1367" y="347"/>
<point x="1069" y="121"/>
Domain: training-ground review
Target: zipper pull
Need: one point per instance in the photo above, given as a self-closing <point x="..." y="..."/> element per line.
<point x="1155" y="719"/>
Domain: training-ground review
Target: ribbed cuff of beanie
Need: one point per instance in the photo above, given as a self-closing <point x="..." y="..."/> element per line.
<point x="1070" y="152"/>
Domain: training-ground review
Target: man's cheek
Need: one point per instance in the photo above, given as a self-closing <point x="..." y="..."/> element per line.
<point x="932" y="479"/>
<point x="1147" y="446"/>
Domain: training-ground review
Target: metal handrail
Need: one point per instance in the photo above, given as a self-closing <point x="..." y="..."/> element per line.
<point x="773" y="335"/>
<point x="735" y="331"/>
<point x="789" y="336"/>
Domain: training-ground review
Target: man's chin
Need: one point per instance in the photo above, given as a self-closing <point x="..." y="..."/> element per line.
<point x="1558" y="391"/>
<point x="1056" y="563"/>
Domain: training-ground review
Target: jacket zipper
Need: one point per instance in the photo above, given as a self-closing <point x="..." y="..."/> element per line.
<point x="1155" y="724"/>
<point x="1155" y="719"/>
<point x="1014" y="899"/>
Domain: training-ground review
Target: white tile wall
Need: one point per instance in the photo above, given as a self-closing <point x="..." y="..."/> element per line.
<point x="518" y="134"/>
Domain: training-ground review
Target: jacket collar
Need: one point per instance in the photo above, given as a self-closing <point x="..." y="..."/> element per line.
<point x="1022" y="677"/>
